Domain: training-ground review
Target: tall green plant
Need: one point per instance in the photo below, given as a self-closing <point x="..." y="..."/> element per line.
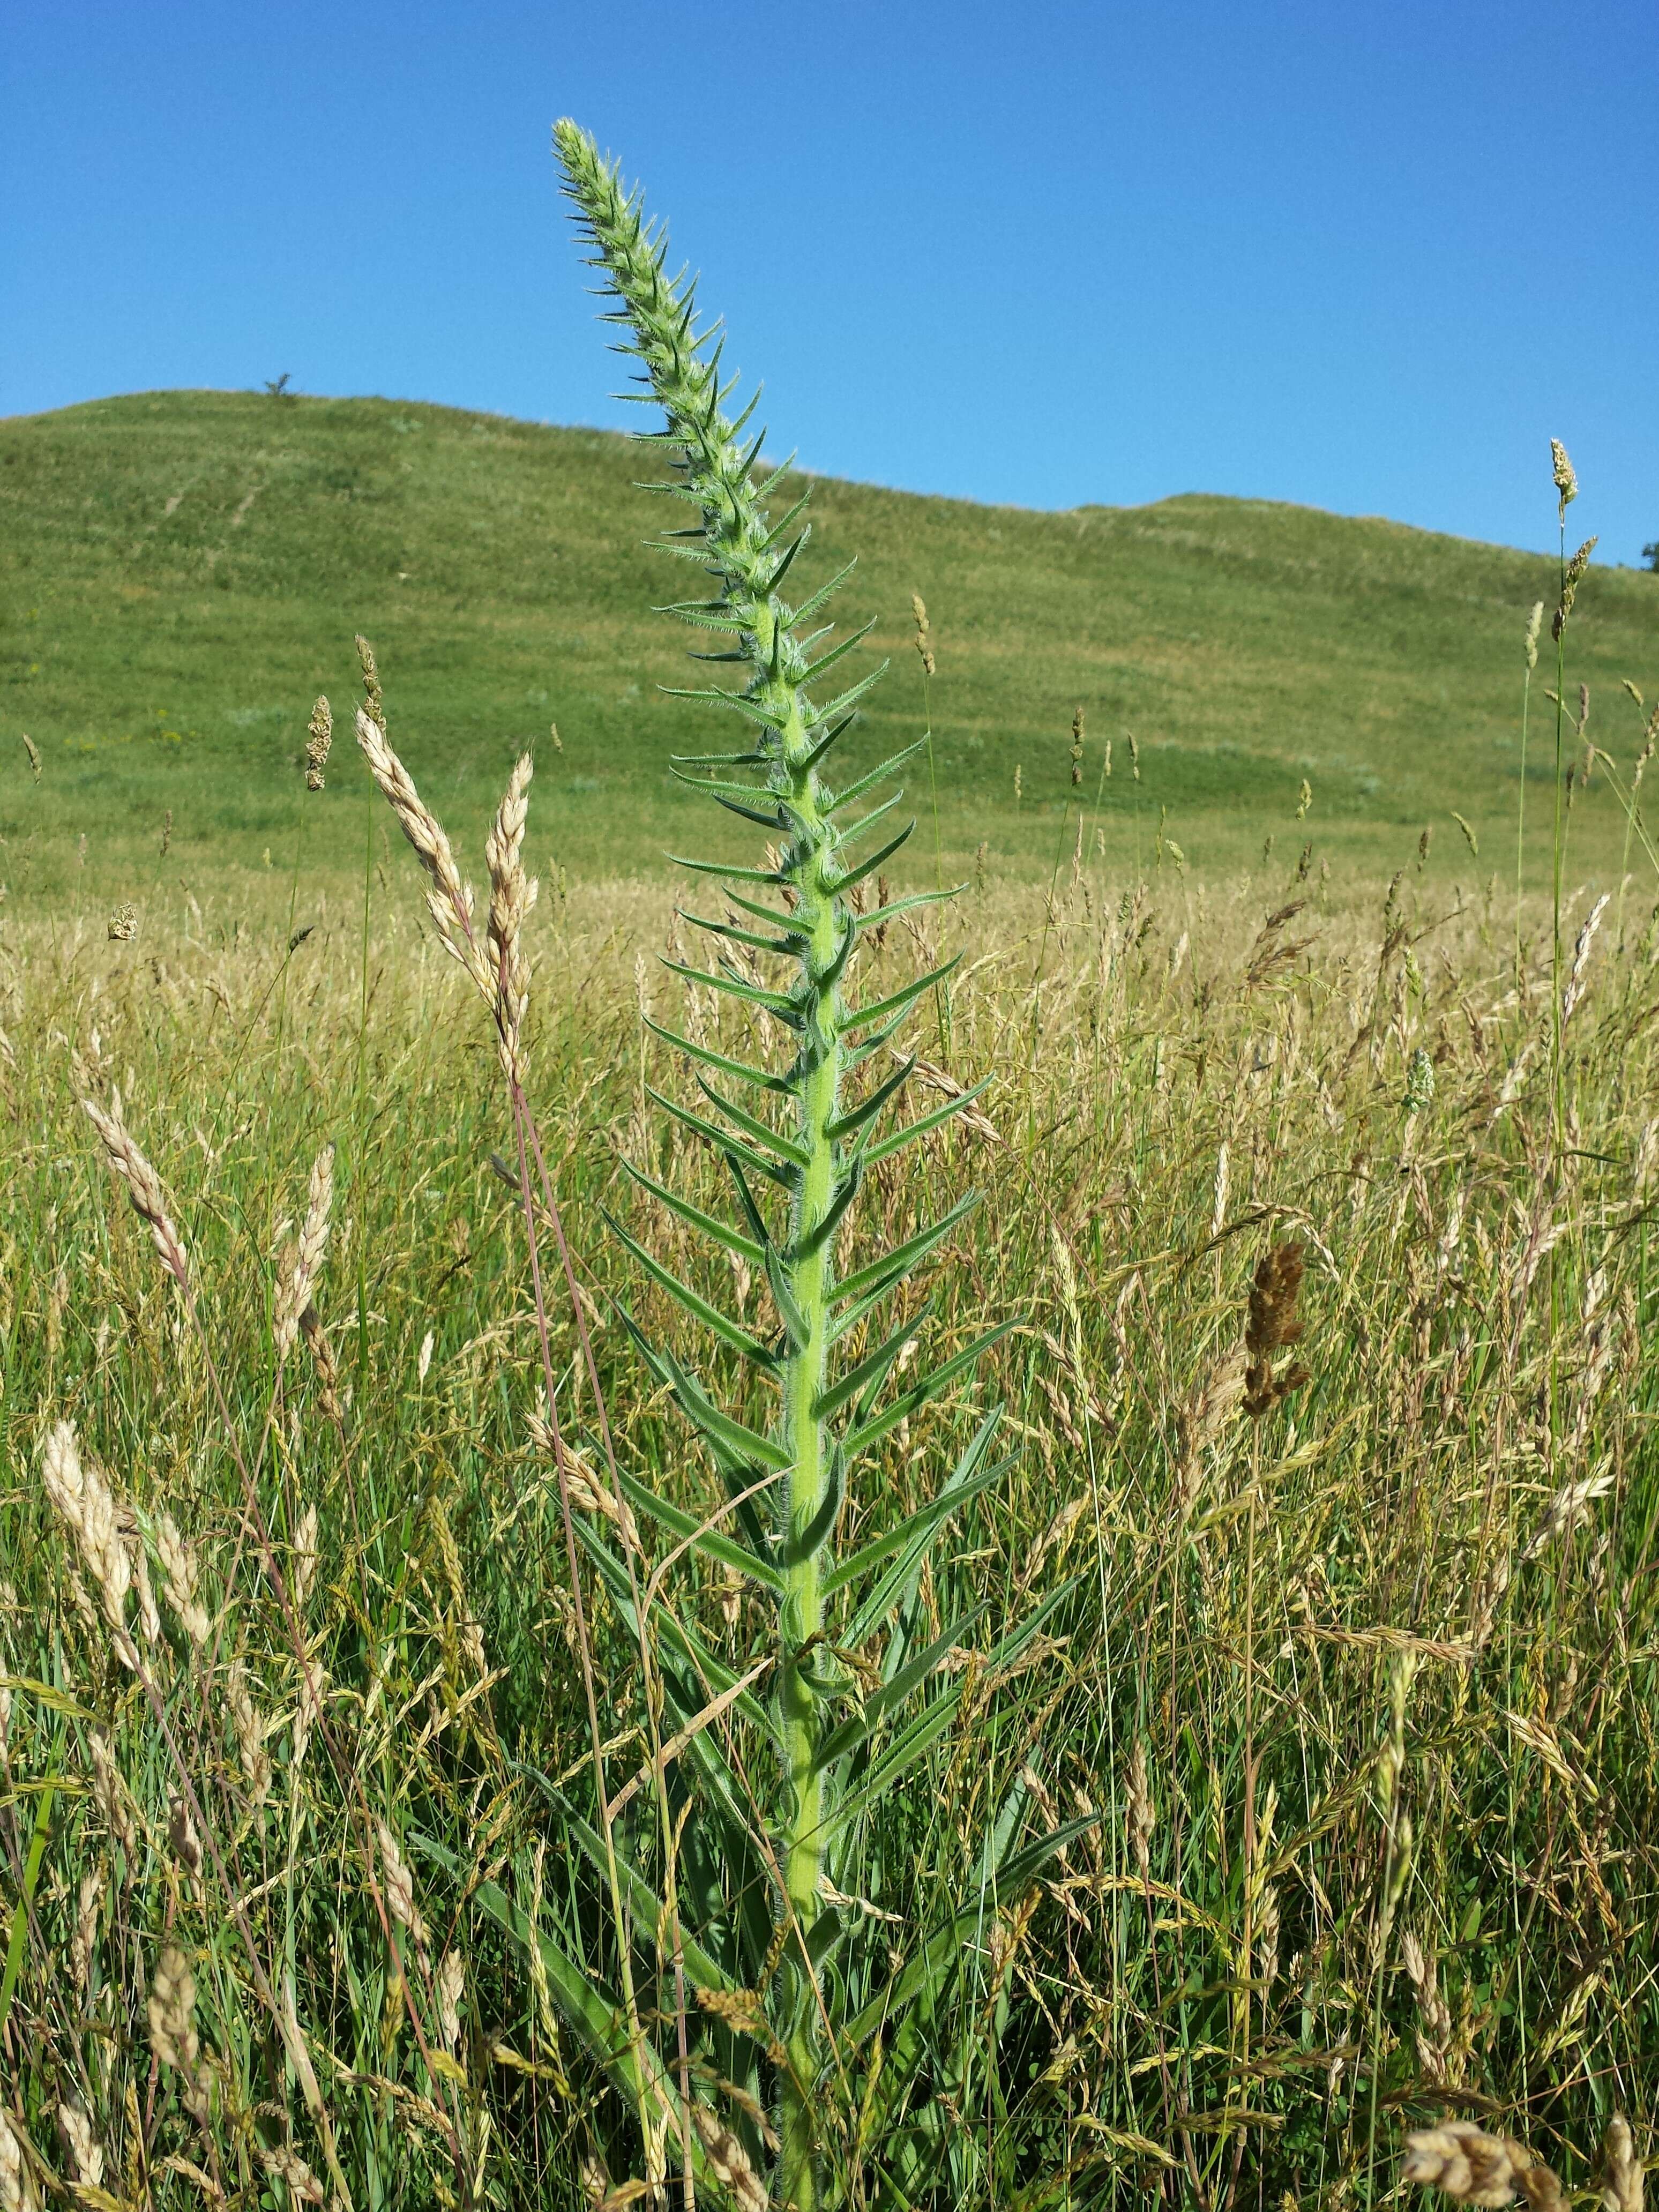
<point x="789" y="1985"/>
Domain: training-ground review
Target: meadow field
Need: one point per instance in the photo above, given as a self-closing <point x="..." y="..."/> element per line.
<point x="1197" y="1725"/>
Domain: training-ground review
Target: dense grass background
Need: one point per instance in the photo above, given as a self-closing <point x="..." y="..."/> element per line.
<point x="1211" y="1996"/>
<point x="1477" y="1308"/>
<point x="181" y="572"/>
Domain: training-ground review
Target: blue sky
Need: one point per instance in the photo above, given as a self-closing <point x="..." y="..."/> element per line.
<point x="1366" y="257"/>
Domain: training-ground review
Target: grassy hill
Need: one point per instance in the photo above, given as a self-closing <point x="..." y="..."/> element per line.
<point x="183" y="571"/>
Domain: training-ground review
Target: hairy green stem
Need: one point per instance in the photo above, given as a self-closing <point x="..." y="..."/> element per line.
<point x="818" y="930"/>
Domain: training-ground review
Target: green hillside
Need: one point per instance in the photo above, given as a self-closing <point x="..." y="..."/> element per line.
<point x="183" y="571"/>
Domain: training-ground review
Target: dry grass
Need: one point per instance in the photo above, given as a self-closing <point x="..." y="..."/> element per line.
<point x="1361" y="1689"/>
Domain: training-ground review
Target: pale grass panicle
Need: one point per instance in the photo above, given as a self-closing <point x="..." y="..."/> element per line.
<point x="302" y="1263"/>
<point x="399" y="1883"/>
<point x="319" y="740"/>
<point x="173" y="2010"/>
<point x="1622" y="2182"/>
<point x="512" y="896"/>
<point x="82" y="2148"/>
<point x="17" y="2190"/>
<point x="181" y="1579"/>
<point x="86" y="1504"/>
<point x="1473" y="2167"/>
<point x="449" y="901"/>
<point x="126" y="1160"/>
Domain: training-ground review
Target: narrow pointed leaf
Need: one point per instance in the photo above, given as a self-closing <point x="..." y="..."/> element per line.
<point x="859" y="1017"/>
<point x="733" y="1147"/>
<point x="846" y="881"/>
<point x="903" y="1257"/>
<point x="905" y="1544"/>
<point x="775" y="1002"/>
<point x="868" y="1108"/>
<point x="822" y="597"/>
<point x="846" y="1191"/>
<point x="849" y="699"/>
<point x="863" y="1725"/>
<point x="706" y="1542"/>
<point x="836" y="652"/>
<point x="870" y="1371"/>
<point x="709" y="1223"/>
<point x="753" y="1126"/>
<point x="877" y="776"/>
<point x="698" y="1308"/>
<point x="794" y="1321"/>
<point x="724" y="868"/>
<point x="884" y="1147"/>
<point x="739" y="1070"/>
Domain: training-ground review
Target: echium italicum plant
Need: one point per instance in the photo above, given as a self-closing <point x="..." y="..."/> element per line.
<point x="799" y="2008"/>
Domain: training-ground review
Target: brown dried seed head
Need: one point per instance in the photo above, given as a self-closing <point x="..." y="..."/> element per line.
<point x="1534" y="624"/>
<point x="33" y="752"/>
<point x="1273" y="1325"/>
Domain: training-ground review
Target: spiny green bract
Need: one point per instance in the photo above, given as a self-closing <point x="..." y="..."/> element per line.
<point x="776" y="1900"/>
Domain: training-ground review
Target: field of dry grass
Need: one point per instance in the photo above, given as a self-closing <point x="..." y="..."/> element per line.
<point x="1355" y="1693"/>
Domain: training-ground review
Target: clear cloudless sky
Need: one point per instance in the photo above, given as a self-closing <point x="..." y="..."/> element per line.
<point x="1367" y="257"/>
